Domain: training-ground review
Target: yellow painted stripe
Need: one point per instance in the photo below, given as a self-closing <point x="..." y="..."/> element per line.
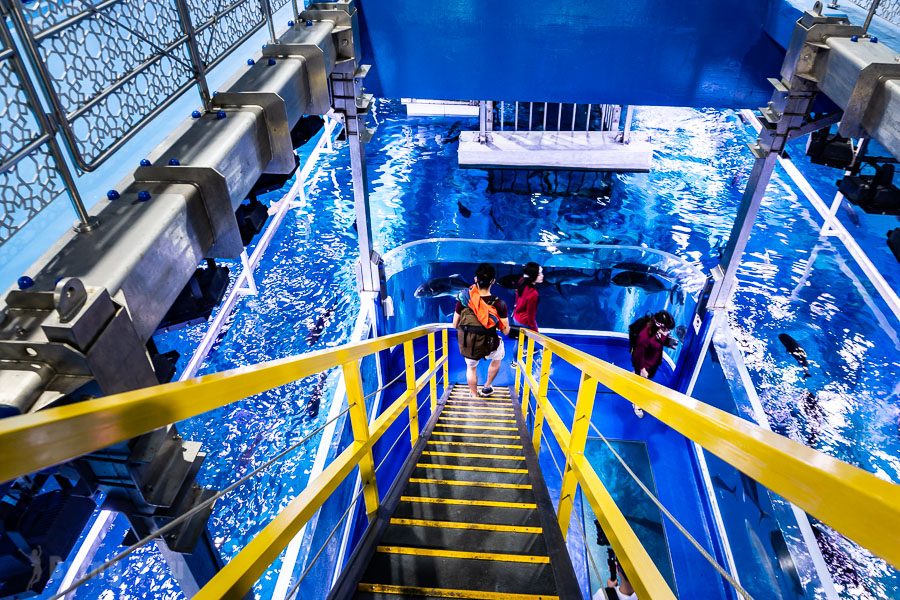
<point x="461" y="525"/>
<point x="478" y="444"/>
<point x="477" y="435"/>
<point x="518" y="558"/>
<point x="478" y="409"/>
<point x="490" y="428"/>
<point x="484" y="484"/>
<point x="471" y="406"/>
<point x="483" y="401"/>
<point x="464" y="419"/>
<point x="460" y="502"/>
<point x="478" y="416"/>
<point x="471" y="468"/>
<point x="408" y="590"/>
<point x="471" y="455"/>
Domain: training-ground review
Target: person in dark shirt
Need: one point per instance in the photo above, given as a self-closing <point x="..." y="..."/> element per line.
<point x="527" y="297"/>
<point x="647" y="351"/>
<point x="484" y="279"/>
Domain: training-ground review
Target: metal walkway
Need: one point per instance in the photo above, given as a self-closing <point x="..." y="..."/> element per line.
<point x="474" y="519"/>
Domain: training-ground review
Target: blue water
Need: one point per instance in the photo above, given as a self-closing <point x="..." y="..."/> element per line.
<point x="684" y="206"/>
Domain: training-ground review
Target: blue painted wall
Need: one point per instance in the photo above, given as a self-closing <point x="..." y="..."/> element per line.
<point x="713" y="53"/>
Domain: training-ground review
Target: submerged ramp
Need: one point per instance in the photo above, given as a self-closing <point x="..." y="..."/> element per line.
<point x="474" y="520"/>
<point x="591" y="150"/>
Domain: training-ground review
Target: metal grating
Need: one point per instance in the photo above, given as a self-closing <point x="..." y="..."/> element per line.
<point x="888" y="9"/>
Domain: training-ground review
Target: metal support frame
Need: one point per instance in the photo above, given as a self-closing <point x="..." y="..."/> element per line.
<point x="410" y="365"/>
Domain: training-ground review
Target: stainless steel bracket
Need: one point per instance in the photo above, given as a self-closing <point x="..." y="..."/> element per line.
<point x="275" y="115"/>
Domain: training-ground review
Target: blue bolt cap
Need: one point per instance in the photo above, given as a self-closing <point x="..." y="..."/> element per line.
<point x="874" y="39"/>
<point x="25" y="282"/>
<point x="112" y="195"/>
<point x="143" y="195"/>
<point x="290" y="23"/>
<point x="250" y="61"/>
<point x="271" y="61"/>
<point x="196" y="114"/>
<point x="145" y="162"/>
<point x="309" y="22"/>
<point x="221" y="114"/>
<point x="854" y="38"/>
<point x="174" y="162"/>
<point x="215" y="93"/>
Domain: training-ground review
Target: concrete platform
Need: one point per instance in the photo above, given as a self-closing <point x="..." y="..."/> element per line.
<point x="594" y="150"/>
<point x="439" y="108"/>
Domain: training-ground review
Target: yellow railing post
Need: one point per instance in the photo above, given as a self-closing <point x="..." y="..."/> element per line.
<point x="584" y="407"/>
<point x="432" y="383"/>
<point x="359" y="422"/>
<point x="411" y="390"/>
<point x="529" y="368"/>
<point x="519" y="352"/>
<point x="444" y="349"/>
<point x="540" y="398"/>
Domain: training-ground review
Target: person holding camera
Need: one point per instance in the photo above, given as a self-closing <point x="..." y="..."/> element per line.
<point x="648" y="336"/>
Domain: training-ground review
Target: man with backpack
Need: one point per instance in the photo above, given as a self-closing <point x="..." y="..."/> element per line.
<point x="478" y="318"/>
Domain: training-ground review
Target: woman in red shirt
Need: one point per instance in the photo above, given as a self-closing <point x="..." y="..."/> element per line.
<point x="647" y="351"/>
<point x="527" y="296"/>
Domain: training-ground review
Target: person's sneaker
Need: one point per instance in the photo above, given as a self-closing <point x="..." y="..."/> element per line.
<point x="487" y="391"/>
<point x="638" y="411"/>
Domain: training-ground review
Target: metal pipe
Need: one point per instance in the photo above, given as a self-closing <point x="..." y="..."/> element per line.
<point x="502" y="117"/>
<point x="184" y="15"/>
<point x="871" y="14"/>
<point x="267" y="13"/>
<point x="587" y="122"/>
<point x="626" y="132"/>
<point x="516" y="119"/>
<point x="559" y="116"/>
<point x="544" y="127"/>
<point x="530" y="111"/>
<point x="574" y="112"/>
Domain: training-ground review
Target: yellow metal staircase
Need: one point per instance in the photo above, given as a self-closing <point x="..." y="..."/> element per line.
<point x="474" y="520"/>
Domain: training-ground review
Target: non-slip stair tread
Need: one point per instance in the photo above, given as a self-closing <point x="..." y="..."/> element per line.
<point x="468" y="513"/>
<point x="501" y="542"/>
<point x="398" y="592"/>
<point x="466" y="492"/>
<point x="449" y="472"/>
<point x="460" y="573"/>
<point x="472" y="460"/>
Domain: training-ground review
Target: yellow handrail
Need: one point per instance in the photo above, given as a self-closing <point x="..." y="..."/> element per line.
<point x="856" y="503"/>
<point x="32" y="442"/>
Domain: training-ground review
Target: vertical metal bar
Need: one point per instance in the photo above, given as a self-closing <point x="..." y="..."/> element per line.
<point x="296" y="11"/>
<point x="587" y="123"/>
<point x="541" y="398"/>
<point x="45" y="121"/>
<point x="410" y="361"/>
<point x="545" y="117"/>
<point x="530" y="111"/>
<point x="827" y="228"/>
<point x="584" y="407"/>
<point x="368" y="278"/>
<point x="359" y="422"/>
<point x="267" y="13"/>
<point x="559" y="116"/>
<point x="187" y="25"/>
<point x="743" y="225"/>
<point x="519" y="353"/>
<point x="432" y="382"/>
<point x="516" y="119"/>
<point x="871" y="14"/>
<point x="444" y="348"/>
<point x="626" y="133"/>
<point x="502" y="109"/>
<point x="574" y="112"/>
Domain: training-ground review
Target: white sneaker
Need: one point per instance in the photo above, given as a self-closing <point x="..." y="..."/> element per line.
<point x="638" y="411"/>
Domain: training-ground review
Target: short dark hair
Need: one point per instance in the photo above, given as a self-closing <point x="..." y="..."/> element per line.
<point x="665" y="319"/>
<point x="531" y="270"/>
<point x="484" y="275"/>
